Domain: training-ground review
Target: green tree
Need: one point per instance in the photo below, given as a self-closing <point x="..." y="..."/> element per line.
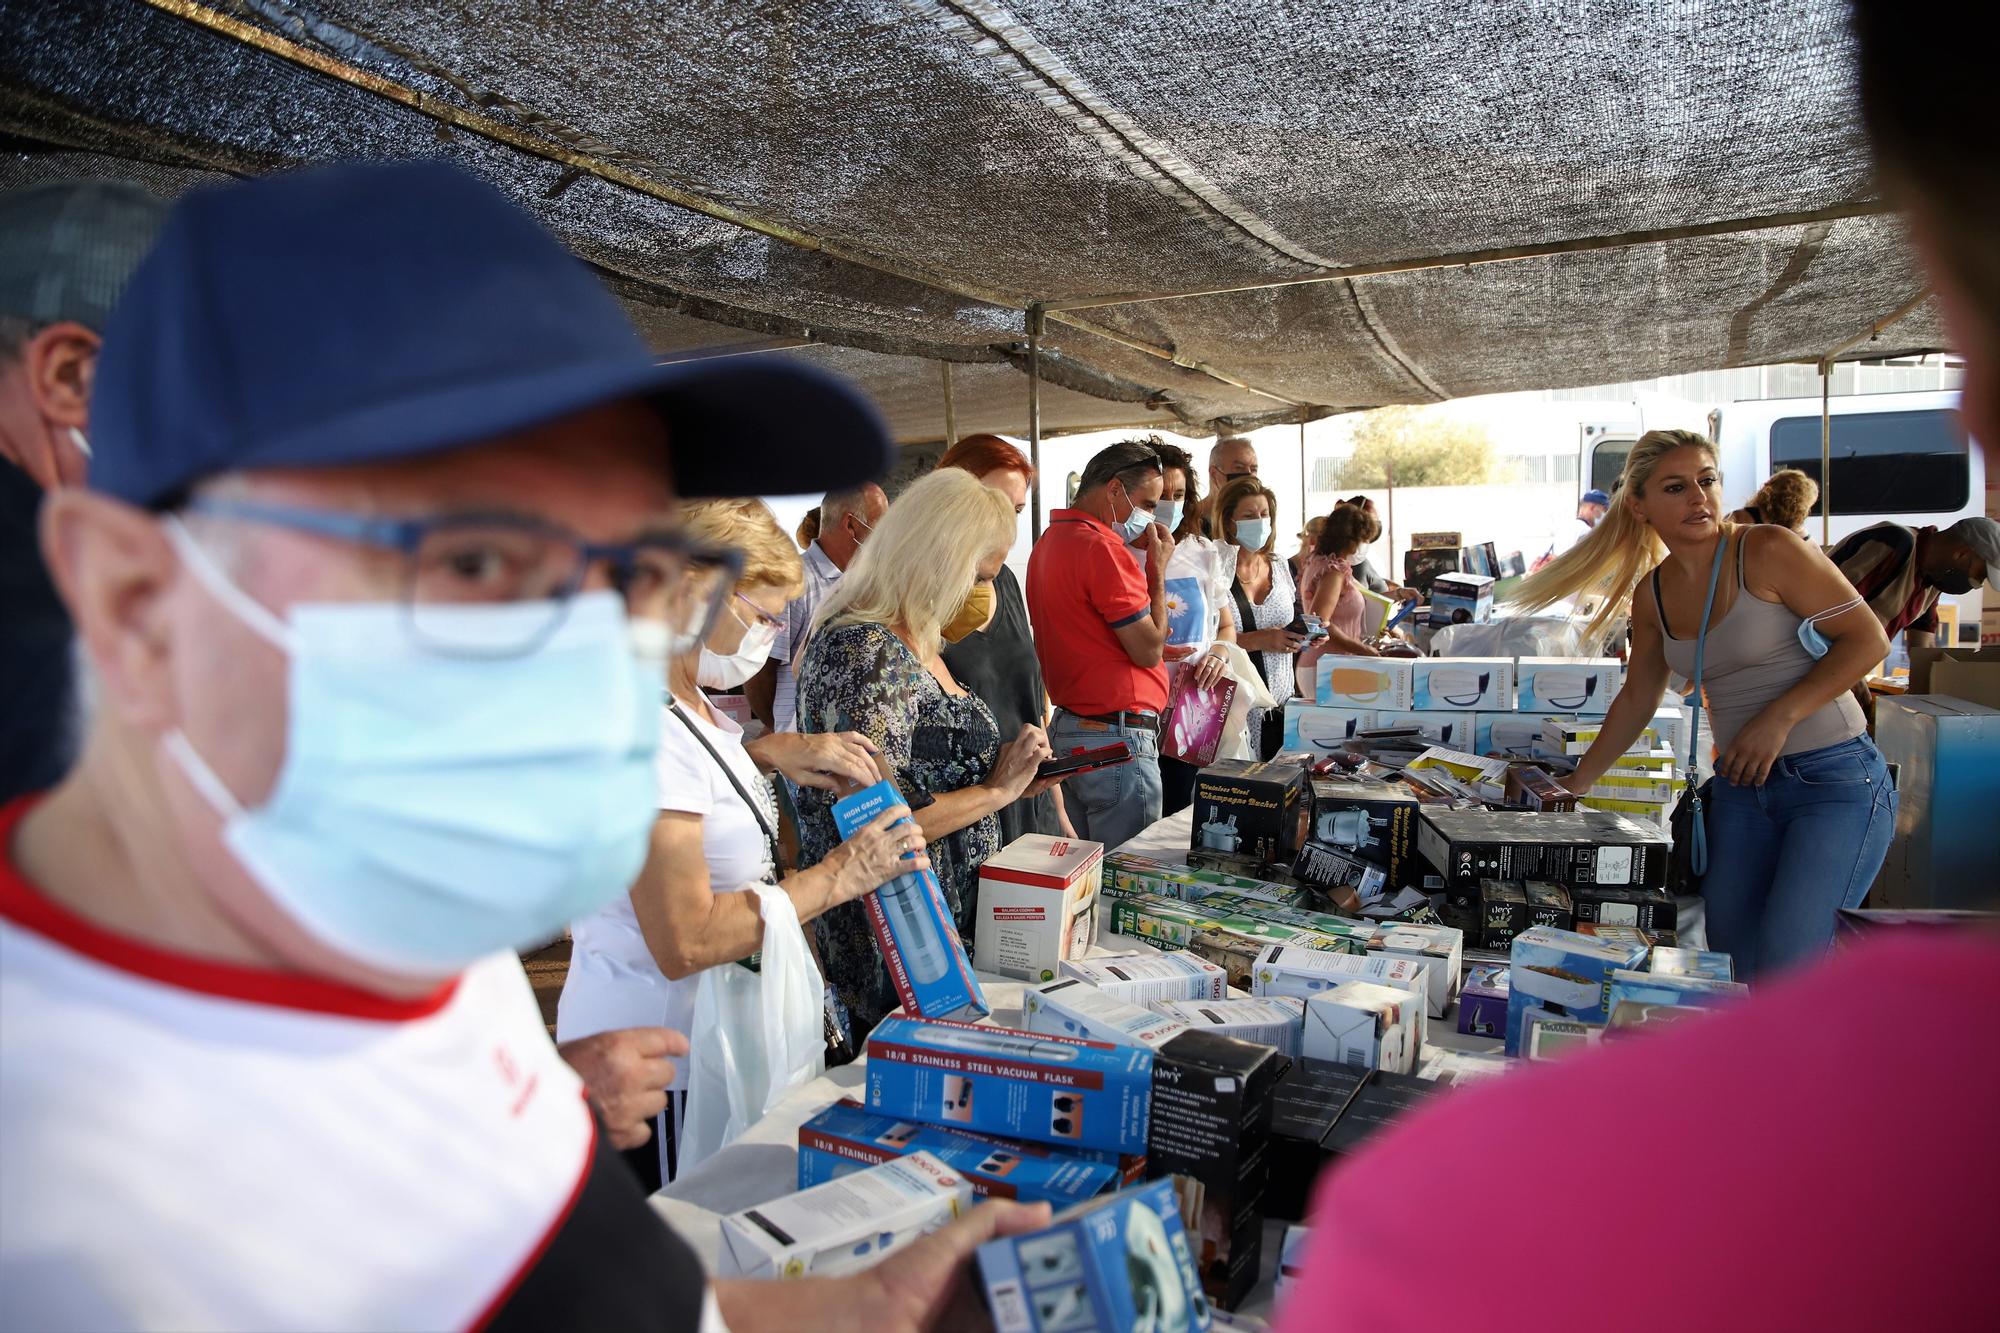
<point x="1424" y="447"/>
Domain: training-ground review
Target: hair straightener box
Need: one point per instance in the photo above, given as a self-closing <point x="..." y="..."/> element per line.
<point x="1252" y="806"/>
<point x="1074" y="1008"/>
<point x="1365" y="682"/>
<point x="1272" y="1021"/>
<point x="1211" y="1130"/>
<point x="1141" y="978"/>
<point x="845" y="1225"/>
<point x="913" y="925"/>
<point x="1037" y="905"/>
<point x="1024" y="1085"/>
<point x="1119" y="1265"/>
<point x="847" y="1137"/>
<point x="1462" y="684"/>
<point x="1582" y="685"/>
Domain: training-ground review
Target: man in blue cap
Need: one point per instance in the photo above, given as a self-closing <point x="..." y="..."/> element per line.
<point x="1589" y="509"/>
<point x="375" y="573"/>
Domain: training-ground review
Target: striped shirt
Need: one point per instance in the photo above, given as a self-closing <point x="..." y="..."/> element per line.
<point x="822" y="577"/>
<point x="1881" y="563"/>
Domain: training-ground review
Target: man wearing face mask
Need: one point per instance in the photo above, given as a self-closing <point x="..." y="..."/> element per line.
<point x="361" y="583"/>
<point x="1101" y="628"/>
<point x="846" y="517"/>
<point x="1901" y="573"/>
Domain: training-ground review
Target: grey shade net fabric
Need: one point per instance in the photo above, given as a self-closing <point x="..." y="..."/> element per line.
<point x="988" y="155"/>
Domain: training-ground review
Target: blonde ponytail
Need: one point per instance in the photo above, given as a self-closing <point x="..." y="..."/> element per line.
<point x="1619" y="551"/>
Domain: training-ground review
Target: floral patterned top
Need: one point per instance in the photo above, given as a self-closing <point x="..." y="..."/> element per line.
<point x="863" y="678"/>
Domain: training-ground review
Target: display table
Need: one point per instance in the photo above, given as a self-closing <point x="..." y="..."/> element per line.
<point x="763" y="1164"/>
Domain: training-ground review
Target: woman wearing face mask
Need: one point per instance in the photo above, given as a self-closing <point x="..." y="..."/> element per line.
<point x="1328" y="590"/>
<point x="872" y="665"/>
<point x="1199" y="614"/>
<point x="635" y="959"/>
<point x="998" y="663"/>
<point x="1801" y="811"/>
<point x="1265" y="598"/>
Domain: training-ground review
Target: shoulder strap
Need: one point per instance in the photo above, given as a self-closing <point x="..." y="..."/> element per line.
<point x="756" y="807"/>
<point x="1659" y="605"/>
<point x="1700" y="649"/>
<point x="1246" y="616"/>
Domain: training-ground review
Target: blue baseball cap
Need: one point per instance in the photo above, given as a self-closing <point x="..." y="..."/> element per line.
<point x="1595" y="498"/>
<point x="379" y="310"/>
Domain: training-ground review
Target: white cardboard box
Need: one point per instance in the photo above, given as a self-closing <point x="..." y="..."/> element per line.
<point x="1037" y="905"/>
<point x="1441" y="949"/>
<point x="844" y="1225"/>
<point x="1073" y="1008"/>
<point x="1319" y="730"/>
<point x="1582" y="685"/>
<point x="1454" y="731"/>
<point x="1141" y="978"/>
<point x="1363" y="1026"/>
<point x="1268" y="1022"/>
<point x="1365" y="682"/>
<point x="1287" y="969"/>
<point x="1462" y="684"/>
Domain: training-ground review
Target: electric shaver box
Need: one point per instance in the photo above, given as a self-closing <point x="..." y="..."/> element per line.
<point x="1364" y="682"/>
<point x="1374" y="820"/>
<point x="1211" y="1131"/>
<point x="1024" y="1085"/>
<point x="1119" y="1265"/>
<point x="1582" y="685"/>
<point x="845" y="1225"/>
<point x="913" y="925"/>
<point x="847" y="1137"/>
<point x="1462" y="684"/>
<point x="1037" y="905"/>
<point x="1255" y="807"/>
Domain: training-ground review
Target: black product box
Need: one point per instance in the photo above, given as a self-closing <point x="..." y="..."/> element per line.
<point x="1381" y="1101"/>
<point x="1305" y="1105"/>
<point x="1650" y="910"/>
<point x="1503" y="912"/>
<point x="1570" y="848"/>
<point x="1421" y="568"/>
<point x="1211" y="1130"/>
<point x="1251" y="807"/>
<point x="1549" y="905"/>
<point x="1375" y="820"/>
<point x="1345" y="879"/>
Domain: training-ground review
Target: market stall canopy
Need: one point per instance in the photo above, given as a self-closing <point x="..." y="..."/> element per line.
<point x="1459" y="197"/>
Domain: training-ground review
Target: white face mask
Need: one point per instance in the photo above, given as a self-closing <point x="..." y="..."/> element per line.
<point x="725" y="672"/>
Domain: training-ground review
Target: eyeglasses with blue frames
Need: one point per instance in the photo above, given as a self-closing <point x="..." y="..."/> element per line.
<point x="452" y="561"/>
<point x="758" y="615"/>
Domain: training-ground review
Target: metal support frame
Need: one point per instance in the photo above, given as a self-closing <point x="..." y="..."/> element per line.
<point x="1034" y="322"/>
<point x="1305" y="489"/>
<point x="1895" y="316"/>
<point x="950" y="408"/>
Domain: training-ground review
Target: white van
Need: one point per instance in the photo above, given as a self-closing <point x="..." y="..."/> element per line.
<point x="1897" y="457"/>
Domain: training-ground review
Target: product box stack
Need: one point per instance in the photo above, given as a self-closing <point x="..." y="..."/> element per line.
<point x="1642" y="784"/>
<point x="1567" y="988"/>
<point x="1611" y="869"/>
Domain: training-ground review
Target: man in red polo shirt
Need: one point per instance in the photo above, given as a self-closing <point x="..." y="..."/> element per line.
<point x="1101" y="633"/>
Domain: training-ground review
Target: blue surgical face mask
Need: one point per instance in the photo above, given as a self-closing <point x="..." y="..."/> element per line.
<point x="1811" y="639"/>
<point x="1169" y="513"/>
<point x="1134" y="524"/>
<point x="1252" y="533"/>
<point x="432" y="810"/>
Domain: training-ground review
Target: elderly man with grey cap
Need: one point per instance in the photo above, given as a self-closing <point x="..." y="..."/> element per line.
<point x="66" y="250"/>
<point x="376" y="570"/>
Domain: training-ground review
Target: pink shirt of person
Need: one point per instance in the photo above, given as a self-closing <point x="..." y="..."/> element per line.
<point x="1346" y="617"/>
<point x="1822" y="1156"/>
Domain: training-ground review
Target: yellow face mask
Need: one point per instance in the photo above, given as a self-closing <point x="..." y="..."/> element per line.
<point x="973" y="613"/>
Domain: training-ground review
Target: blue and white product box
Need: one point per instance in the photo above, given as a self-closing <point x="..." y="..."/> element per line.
<point x="1439" y="949"/>
<point x="1550" y="1036"/>
<point x="1316" y="729"/>
<point x="1073" y="1008"/>
<point x="844" y="1225"/>
<point x="1116" y="1265"/>
<point x="1024" y="1085"/>
<point x="1669" y="961"/>
<point x="1581" y="685"/>
<point x="1515" y="735"/>
<point x="1461" y="599"/>
<point x="1365" y="682"/>
<point x="1291" y="1260"/>
<point x="1363" y="1026"/>
<point x="1566" y="971"/>
<point x="1482" y="1001"/>
<point x="1667" y="988"/>
<point x="913" y="925"/>
<point x="1462" y="684"/>
<point x="1286" y="969"/>
<point x="1271" y="1022"/>
<point x="847" y="1137"/>
<point x="1141" y="978"/>
<point x="1454" y="731"/>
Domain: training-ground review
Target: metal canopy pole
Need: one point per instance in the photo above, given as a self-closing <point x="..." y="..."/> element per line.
<point x="1035" y="415"/>
<point x="1305" y="495"/>
<point x="1900" y="313"/>
<point x="950" y="411"/>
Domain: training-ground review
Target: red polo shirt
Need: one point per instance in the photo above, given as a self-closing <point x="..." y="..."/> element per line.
<point x="1081" y="587"/>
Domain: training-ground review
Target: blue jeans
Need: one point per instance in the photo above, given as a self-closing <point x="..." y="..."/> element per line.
<point x="1784" y="857"/>
<point x="1109" y="805"/>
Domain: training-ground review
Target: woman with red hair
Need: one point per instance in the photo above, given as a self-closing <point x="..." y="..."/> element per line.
<point x="998" y="663"/>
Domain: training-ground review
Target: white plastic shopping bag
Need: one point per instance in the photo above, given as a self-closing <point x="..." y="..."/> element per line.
<point x="1251" y="692"/>
<point x="755" y="1035"/>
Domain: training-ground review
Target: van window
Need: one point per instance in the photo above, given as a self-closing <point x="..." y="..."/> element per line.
<point x="1607" y="462"/>
<point x="1883" y="462"/>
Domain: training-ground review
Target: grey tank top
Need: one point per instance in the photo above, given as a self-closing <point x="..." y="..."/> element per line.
<point x="1753" y="657"/>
